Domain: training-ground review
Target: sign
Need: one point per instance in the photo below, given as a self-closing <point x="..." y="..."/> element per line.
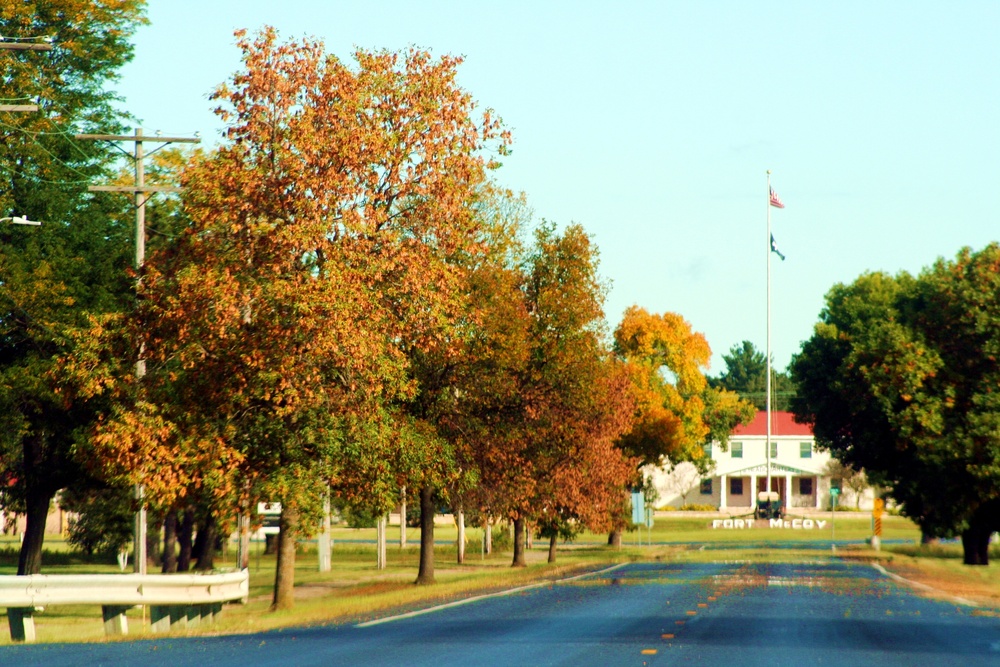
<point x="271" y="515"/>
<point x="879" y="508"/>
<point x="794" y="524"/>
<point x="638" y="508"/>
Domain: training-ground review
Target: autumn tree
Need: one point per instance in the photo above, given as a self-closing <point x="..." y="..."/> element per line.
<point x="546" y="395"/>
<point x="279" y="329"/>
<point x="897" y="379"/>
<point x="55" y="278"/>
<point x="676" y="411"/>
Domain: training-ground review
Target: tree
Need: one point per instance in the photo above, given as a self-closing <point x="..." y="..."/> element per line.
<point x="101" y="519"/>
<point x="540" y="395"/>
<point x="683" y="478"/>
<point x="280" y="327"/>
<point x="897" y="378"/>
<point x="855" y="480"/>
<point x="746" y="375"/>
<point x="676" y="411"/>
<point x="55" y="278"/>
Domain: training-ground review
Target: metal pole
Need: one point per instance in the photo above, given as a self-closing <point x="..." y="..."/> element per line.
<point x="768" y="381"/>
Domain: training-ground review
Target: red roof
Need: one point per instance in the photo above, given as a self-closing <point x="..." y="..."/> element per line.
<point x="782" y="423"/>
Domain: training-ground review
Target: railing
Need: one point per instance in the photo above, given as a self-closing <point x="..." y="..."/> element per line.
<point x="173" y="599"/>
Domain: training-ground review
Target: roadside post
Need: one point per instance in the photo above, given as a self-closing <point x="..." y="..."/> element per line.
<point x="649" y="525"/>
<point x="834" y="493"/>
<point x="877" y="510"/>
<point x="638" y="512"/>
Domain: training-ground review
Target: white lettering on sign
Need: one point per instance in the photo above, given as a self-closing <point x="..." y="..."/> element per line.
<point x="794" y="524"/>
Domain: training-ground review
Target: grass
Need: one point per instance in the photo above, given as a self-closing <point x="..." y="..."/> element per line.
<point x="355" y="590"/>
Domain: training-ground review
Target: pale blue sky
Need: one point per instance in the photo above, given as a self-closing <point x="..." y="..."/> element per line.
<point x="653" y="124"/>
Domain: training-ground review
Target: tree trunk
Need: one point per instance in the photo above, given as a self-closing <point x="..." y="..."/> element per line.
<point x="381" y="538"/>
<point x="976" y="546"/>
<point x="488" y="538"/>
<point x="184" y="541"/>
<point x="37" y="505"/>
<point x="460" y="518"/>
<point x="425" y="574"/>
<point x="402" y="518"/>
<point x="154" y="533"/>
<point x="169" y="557"/>
<point x="204" y="544"/>
<point x="284" y="574"/>
<point x="552" y="548"/>
<point x="615" y="538"/>
<point x="519" y="560"/>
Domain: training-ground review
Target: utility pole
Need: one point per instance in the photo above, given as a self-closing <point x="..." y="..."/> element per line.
<point x="22" y="46"/>
<point x="142" y="193"/>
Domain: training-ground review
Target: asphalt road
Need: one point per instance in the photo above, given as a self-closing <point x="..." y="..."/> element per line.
<point x="823" y="613"/>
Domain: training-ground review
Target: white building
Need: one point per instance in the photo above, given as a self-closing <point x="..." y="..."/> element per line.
<point x="740" y="472"/>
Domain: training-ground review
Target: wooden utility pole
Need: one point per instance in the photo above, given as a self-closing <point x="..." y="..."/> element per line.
<point x="22" y="46"/>
<point x="142" y="193"/>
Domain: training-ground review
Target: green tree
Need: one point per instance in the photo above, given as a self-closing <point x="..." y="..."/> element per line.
<point x="101" y="521"/>
<point x="55" y="278"/>
<point x="898" y="379"/>
<point x="746" y="374"/>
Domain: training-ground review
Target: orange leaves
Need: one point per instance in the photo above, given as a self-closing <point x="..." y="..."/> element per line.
<point x="328" y="245"/>
<point x="665" y="360"/>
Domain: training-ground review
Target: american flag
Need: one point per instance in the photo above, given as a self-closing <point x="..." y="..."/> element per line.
<point x="775" y="201"/>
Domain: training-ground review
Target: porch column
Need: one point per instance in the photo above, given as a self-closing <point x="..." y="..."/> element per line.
<point x="722" y="491"/>
<point x="753" y="491"/>
<point x="788" y="490"/>
<point x="816" y="490"/>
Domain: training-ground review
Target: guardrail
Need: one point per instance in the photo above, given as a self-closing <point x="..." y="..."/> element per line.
<point x="173" y="599"/>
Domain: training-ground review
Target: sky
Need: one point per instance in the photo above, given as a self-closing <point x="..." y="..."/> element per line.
<point x="654" y="125"/>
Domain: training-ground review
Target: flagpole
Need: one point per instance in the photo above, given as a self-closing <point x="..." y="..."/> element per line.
<point x="767" y="383"/>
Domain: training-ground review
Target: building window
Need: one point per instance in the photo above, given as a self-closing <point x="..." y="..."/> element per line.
<point x="774" y="450"/>
<point x="805" y="450"/>
<point x="706" y="487"/>
<point x="708" y="451"/>
<point x="736" y="486"/>
<point x="805" y="486"/>
<point x="737" y="448"/>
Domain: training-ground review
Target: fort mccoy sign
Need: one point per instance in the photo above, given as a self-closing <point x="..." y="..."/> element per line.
<point x="793" y="524"/>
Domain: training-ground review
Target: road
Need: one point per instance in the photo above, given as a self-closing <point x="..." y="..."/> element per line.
<point x="822" y="613"/>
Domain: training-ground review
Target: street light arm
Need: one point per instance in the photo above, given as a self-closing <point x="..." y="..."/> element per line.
<point x="20" y="220"/>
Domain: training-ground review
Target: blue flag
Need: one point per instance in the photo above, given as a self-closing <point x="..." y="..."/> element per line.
<point x="774" y="249"/>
